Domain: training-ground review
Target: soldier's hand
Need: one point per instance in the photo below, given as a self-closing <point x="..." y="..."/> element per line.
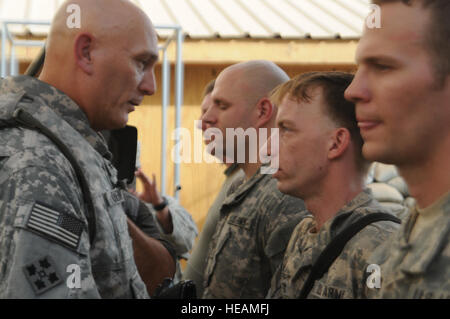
<point x="150" y="193"/>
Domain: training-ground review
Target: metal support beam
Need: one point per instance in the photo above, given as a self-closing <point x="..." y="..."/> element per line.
<point x="165" y="105"/>
<point x="179" y="84"/>
<point x="3" y="56"/>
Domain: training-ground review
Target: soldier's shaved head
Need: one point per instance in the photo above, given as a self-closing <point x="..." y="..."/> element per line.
<point x="254" y="79"/>
<point x="106" y="20"/>
<point x="108" y="54"/>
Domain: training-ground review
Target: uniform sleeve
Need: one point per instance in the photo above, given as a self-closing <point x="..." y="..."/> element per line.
<point x="184" y="228"/>
<point x="44" y="243"/>
<point x="139" y="212"/>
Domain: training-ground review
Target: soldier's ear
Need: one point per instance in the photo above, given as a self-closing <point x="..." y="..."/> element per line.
<point x="339" y="143"/>
<point x="265" y="110"/>
<point x="83" y="49"/>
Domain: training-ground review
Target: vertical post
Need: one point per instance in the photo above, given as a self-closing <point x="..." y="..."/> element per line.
<point x="165" y="103"/>
<point x="3" y="57"/>
<point x="12" y="60"/>
<point x="179" y="74"/>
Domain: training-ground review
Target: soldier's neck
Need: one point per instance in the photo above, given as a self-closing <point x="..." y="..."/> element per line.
<point x="249" y="169"/>
<point x="330" y="198"/>
<point x="428" y="181"/>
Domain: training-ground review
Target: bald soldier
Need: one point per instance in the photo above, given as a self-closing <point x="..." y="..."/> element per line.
<point x="255" y="218"/>
<point x="402" y="96"/>
<point x="195" y="266"/>
<point x="64" y="232"/>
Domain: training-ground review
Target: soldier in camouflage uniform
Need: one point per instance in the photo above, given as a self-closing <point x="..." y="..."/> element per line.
<point x="64" y="232"/>
<point x="196" y="264"/>
<point x="344" y="277"/>
<point x="255" y="219"/>
<point x="321" y="162"/>
<point x="402" y="96"/>
<point x="174" y="223"/>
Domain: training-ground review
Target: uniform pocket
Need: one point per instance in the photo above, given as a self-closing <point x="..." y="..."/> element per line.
<point x="213" y="257"/>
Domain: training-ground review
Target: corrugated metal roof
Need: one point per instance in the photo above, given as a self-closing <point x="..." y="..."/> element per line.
<point x="318" y="19"/>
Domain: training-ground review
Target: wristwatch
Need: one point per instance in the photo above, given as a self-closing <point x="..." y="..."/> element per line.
<point x="162" y="205"/>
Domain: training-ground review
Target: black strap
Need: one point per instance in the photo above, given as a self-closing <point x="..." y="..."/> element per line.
<point x="22" y="118"/>
<point x="36" y="64"/>
<point x="337" y="244"/>
<point x="7" y="123"/>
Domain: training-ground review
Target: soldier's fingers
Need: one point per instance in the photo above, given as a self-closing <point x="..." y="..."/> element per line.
<point x="143" y="178"/>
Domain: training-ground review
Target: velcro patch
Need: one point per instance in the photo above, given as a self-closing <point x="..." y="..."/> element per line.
<point x="240" y="221"/>
<point x="42" y="275"/>
<point x="114" y="197"/>
<point x="55" y="225"/>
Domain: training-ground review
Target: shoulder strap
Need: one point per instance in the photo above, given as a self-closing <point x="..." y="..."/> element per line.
<point x="21" y="118"/>
<point x="337" y="244"/>
<point x="7" y="123"/>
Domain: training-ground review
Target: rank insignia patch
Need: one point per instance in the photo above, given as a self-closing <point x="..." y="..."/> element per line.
<point x="42" y="275"/>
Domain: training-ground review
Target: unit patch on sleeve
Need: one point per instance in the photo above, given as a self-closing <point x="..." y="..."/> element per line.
<point x="42" y="275"/>
<point x="55" y="225"/>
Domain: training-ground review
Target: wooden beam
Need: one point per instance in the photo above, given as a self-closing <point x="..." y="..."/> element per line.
<point x="223" y="51"/>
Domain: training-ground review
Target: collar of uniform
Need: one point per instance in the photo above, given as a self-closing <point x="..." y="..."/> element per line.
<point x="241" y="192"/>
<point x="60" y="103"/>
<point x="231" y="169"/>
<point x="312" y="243"/>
<point x="429" y="242"/>
<point x="344" y="216"/>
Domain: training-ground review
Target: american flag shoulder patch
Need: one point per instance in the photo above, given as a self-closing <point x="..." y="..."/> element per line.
<point x="55" y="225"/>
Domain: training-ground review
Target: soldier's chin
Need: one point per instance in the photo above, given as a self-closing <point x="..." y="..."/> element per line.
<point x="121" y="122"/>
<point x="377" y="153"/>
<point x="212" y="150"/>
<point x="207" y="142"/>
<point x="285" y="188"/>
<point x="220" y="156"/>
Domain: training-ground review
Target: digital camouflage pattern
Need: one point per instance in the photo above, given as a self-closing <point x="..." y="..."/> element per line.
<point x="417" y="268"/>
<point x="183" y="234"/>
<point x="32" y="169"/>
<point x="196" y="264"/>
<point x="344" y="279"/>
<point x="256" y="221"/>
<point x="184" y="228"/>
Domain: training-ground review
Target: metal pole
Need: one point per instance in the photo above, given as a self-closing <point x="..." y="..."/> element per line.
<point x="6" y="35"/>
<point x="3" y="70"/>
<point x="178" y="102"/>
<point x="165" y="103"/>
<point x="11" y="60"/>
<point x="29" y="43"/>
